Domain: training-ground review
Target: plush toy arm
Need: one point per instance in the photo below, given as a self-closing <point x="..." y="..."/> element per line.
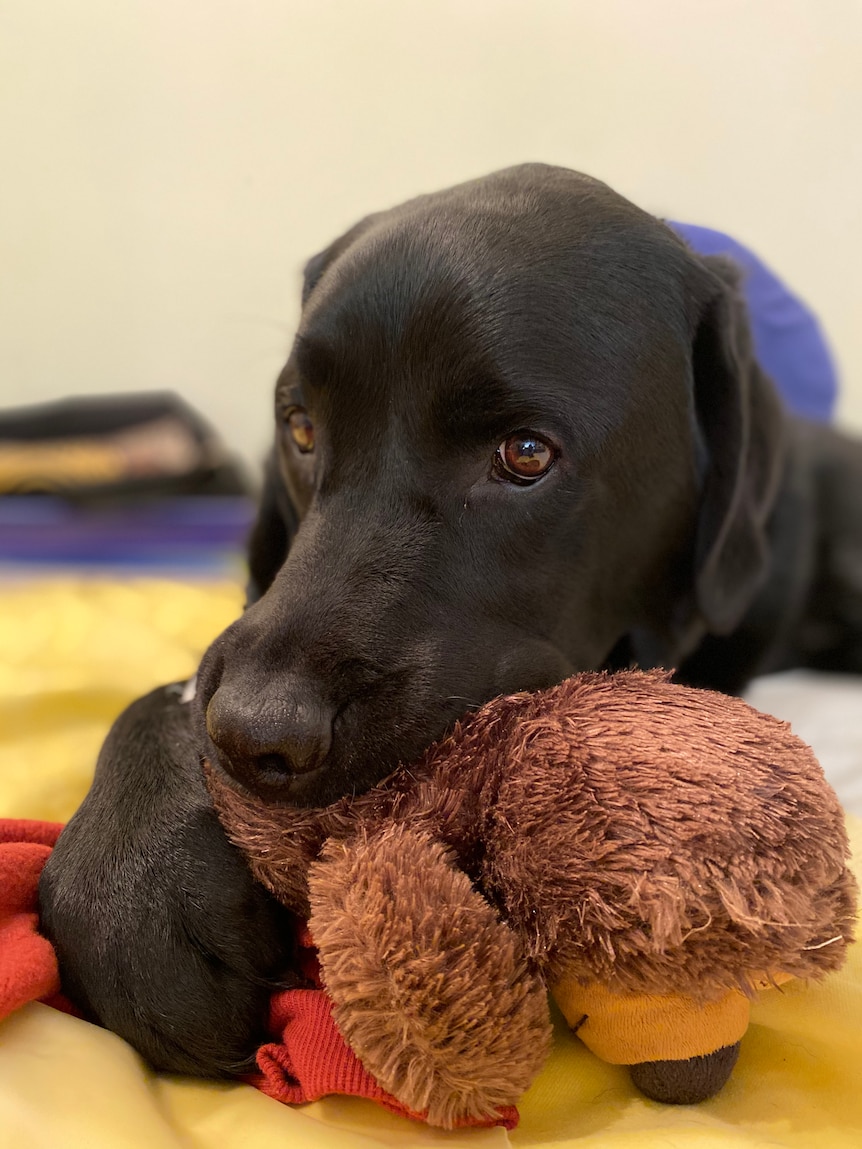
<point x="679" y="1051"/>
<point x="431" y="989"/>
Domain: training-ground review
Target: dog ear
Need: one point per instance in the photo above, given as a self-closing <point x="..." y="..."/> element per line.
<point x="741" y="422"/>
<point x="313" y="271"/>
<point x="275" y="526"/>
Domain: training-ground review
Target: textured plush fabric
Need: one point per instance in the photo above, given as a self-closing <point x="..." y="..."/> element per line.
<point x="66" y="1083"/>
<point x="654" y="838"/>
<point x="73" y="653"/>
<point x="28" y="967"/>
<point x="307" y="1059"/>
<point x="432" y="990"/>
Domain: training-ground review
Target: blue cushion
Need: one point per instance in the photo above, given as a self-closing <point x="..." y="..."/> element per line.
<point x="787" y="338"/>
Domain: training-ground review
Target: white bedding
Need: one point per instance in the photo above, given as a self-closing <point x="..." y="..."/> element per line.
<point x="825" y="710"/>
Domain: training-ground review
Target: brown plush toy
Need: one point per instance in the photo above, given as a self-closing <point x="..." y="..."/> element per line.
<point x="652" y="854"/>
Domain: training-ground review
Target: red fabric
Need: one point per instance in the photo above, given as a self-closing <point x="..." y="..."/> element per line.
<point x="28" y="966"/>
<point x="308" y="1058"/>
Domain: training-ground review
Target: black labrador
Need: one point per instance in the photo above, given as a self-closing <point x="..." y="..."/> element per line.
<point x="521" y="433"/>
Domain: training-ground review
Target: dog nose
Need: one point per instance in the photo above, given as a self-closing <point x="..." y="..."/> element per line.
<point x="270" y="739"/>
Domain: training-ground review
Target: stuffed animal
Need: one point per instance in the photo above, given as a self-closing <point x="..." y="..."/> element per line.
<point x="651" y="853"/>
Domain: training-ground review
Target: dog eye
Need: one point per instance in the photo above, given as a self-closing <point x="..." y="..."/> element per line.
<point x="523" y="458"/>
<point x="301" y="429"/>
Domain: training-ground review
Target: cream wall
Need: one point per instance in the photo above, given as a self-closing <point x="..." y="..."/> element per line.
<point x="167" y="165"/>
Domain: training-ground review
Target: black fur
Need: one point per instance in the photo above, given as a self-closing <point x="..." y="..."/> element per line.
<point x="160" y="933"/>
<point x="398" y="580"/>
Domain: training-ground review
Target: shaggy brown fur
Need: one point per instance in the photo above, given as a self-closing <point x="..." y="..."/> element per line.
<point x="441" y="1002"/>
<point x="630" y="831"/>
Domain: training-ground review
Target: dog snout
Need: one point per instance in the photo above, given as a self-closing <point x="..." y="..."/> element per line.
<point x="266" y="741"/>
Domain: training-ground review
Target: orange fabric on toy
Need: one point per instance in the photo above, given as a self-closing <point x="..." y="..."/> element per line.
<point x="619" y="837"/>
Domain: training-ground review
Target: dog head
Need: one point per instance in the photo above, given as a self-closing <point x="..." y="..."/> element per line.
<point x="520" y="433"/>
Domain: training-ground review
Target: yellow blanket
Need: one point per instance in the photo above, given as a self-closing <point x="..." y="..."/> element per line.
<point x="72" y="653"/>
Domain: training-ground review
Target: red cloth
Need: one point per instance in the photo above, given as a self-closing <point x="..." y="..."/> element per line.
<point x="28" y="965"/>
<point x="309" y="1058"/>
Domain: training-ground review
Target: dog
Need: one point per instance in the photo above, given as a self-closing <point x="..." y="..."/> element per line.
<point x="521" y="433"/>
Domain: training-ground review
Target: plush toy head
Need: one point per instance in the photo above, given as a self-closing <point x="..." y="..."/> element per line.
<point x="653" y="854"/>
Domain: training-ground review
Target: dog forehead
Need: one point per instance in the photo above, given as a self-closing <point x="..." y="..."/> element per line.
<point x="506" y="249"/>
<point x="520" y="285"/>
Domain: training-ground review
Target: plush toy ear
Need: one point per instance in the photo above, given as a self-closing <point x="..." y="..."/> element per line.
<point x="741" y="422"/>
<point x="429" y="988"/>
